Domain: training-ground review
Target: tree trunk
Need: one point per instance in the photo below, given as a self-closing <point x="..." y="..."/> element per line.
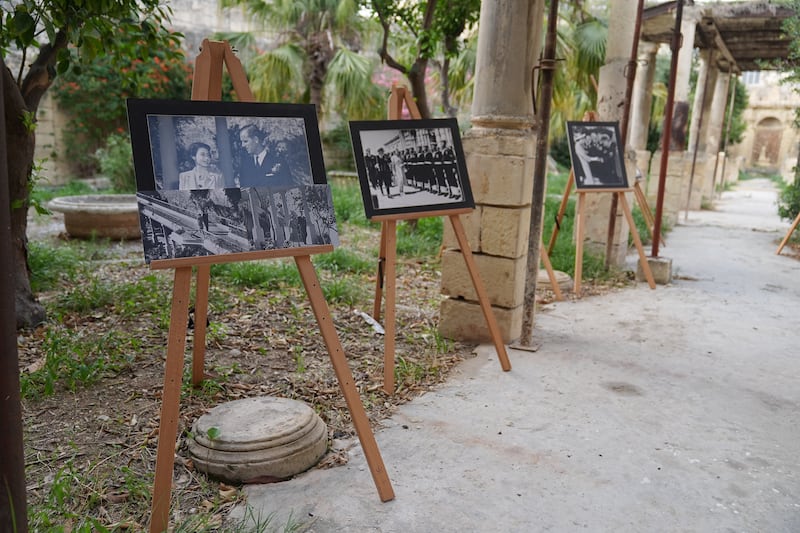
<point x="320" y="54"/>
<point x="20" y="106"/>
<point x="416" y="76"/>
<point x="447" y="106"/>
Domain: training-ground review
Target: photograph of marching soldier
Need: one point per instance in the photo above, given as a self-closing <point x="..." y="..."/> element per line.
<point x="410" y="165"/>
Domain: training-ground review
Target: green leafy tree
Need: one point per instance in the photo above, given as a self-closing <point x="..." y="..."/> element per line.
<point x="44" y="29"/>
<point x="420" y="33"/>
<point x="581" y="43"/>
<point x="316" y="57"/>
<point x="93" y="94"/>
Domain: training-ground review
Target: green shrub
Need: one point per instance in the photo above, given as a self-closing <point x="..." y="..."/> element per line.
<point x="116" y="162"/>
<point x="789" y="200"/>
<point x="93" y="93"/>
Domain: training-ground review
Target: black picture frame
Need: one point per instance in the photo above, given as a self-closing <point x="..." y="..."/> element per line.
<point x="596" y="154"/>
<point x="163" y="131"/>
<point x="421" y="167"/>
<point x="217" y="178"/>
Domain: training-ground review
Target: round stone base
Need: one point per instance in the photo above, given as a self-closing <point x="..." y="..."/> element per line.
<point x="263" y="438"/>
<point x="562" y="278"/>
<point x="112" y="216"/>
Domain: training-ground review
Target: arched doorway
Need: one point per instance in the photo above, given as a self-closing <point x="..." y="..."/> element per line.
<point x="767" y="143"/>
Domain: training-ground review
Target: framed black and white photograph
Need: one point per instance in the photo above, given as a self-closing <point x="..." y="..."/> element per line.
<point x="228" y="177"/>
<point x="596" y="155"/>
<point x="410" y="166"/>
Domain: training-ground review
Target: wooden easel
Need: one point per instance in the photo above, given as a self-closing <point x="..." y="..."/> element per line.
<point x="388" y="258"/>
<point x="579" y="235"/>
<point x="789" y="234"/>
<point x="641" y="199"/>
<point x="580" y="211"/>
<point x="207" y="85"/>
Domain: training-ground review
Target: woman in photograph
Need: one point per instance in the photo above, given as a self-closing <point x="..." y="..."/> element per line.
<point x="203" y="175"/>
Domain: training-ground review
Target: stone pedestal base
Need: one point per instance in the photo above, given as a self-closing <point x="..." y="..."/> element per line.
<point x="465" y="321"/>
<point x="264" y="438"/>
<point x="661" y="267"/>
<point x="564" y="281"/>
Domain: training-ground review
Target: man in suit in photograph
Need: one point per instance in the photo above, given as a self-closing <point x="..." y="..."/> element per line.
<point x="259" y="166"/>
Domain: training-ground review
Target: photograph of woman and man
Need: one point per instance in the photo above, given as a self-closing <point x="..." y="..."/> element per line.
<point x="407" y="166"/>
<point x="596" y="156"/>
<point x="227" y="184"/>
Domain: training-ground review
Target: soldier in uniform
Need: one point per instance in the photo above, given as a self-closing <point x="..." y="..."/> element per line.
<point x="384" y="166"/>
<point x="371" y="163"/>
<point x="449" y="169"/>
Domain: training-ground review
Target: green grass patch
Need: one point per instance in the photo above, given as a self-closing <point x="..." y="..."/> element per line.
<point x="74" y="360"/>
<point x="343" y="260"/>
<point x="51" y="266"/>
<point x="422" y="241"/>
<point x="348" y="204"/>
<point x="265" y="274"/>
<point x="563" y="254"/>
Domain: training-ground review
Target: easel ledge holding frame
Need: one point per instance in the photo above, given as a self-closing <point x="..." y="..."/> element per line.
<point x="386" y="278"/>
<point x="207" y="85"/>
<point x="580" y="215"/>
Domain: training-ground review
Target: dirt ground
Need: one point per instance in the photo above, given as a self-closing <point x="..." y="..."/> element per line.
<point x="103" y="438"/>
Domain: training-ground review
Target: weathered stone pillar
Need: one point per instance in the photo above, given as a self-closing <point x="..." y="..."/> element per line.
<point x="716" y="118"/>
<point x="698" y="131"/>
<point x="706" y="56"/>
<point x="499" y="149"/>
<point x="641" y="103"/>
<point x="610" y="106"/>
<point x="642" y="97"/>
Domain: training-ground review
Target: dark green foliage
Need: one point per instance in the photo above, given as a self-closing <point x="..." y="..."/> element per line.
<point x="116" y="163"/>
<point x="559" y="151"/>
<point x="93" y="91"/>
<point x="789" y="200"/>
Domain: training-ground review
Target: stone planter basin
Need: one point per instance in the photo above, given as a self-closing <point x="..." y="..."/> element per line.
<point x="112" y="216"/>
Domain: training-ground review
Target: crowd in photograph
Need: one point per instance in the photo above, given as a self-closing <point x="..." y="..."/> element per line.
<point x="400" y="171"/>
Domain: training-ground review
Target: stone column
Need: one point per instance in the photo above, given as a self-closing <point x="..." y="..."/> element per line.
<point x="716" y="118"/>
<point x="688" y="30"/>
<point x="642" y="97"/>
<point x="706" y="56"/>
<point x="610" y="106"/>
<point x="698" y="131"/>
<point x="641" y="103"/>
<point x="499" y="149"/>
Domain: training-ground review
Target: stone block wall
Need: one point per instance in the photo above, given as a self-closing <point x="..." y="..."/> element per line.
<point x="500" y="167"/>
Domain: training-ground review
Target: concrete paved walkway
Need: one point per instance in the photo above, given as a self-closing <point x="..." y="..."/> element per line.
<point x="666" y="410"/>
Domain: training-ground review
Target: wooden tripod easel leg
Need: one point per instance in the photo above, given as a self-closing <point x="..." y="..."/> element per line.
<point x="562" y="209"/>
<point x="200" y="324"/>
<point x="648" y="274"/>
<point x="376" y="306"/>
<point x="641" y="199"/>
<point x="170" y="400"/>
<point x="548" y="266"/>
<point x="483" y="298"/>
<point x="345" y="377"/>
<point x="789" y="234"/>
<point x="580" y="216"/>
<point x="391" y="293"/>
